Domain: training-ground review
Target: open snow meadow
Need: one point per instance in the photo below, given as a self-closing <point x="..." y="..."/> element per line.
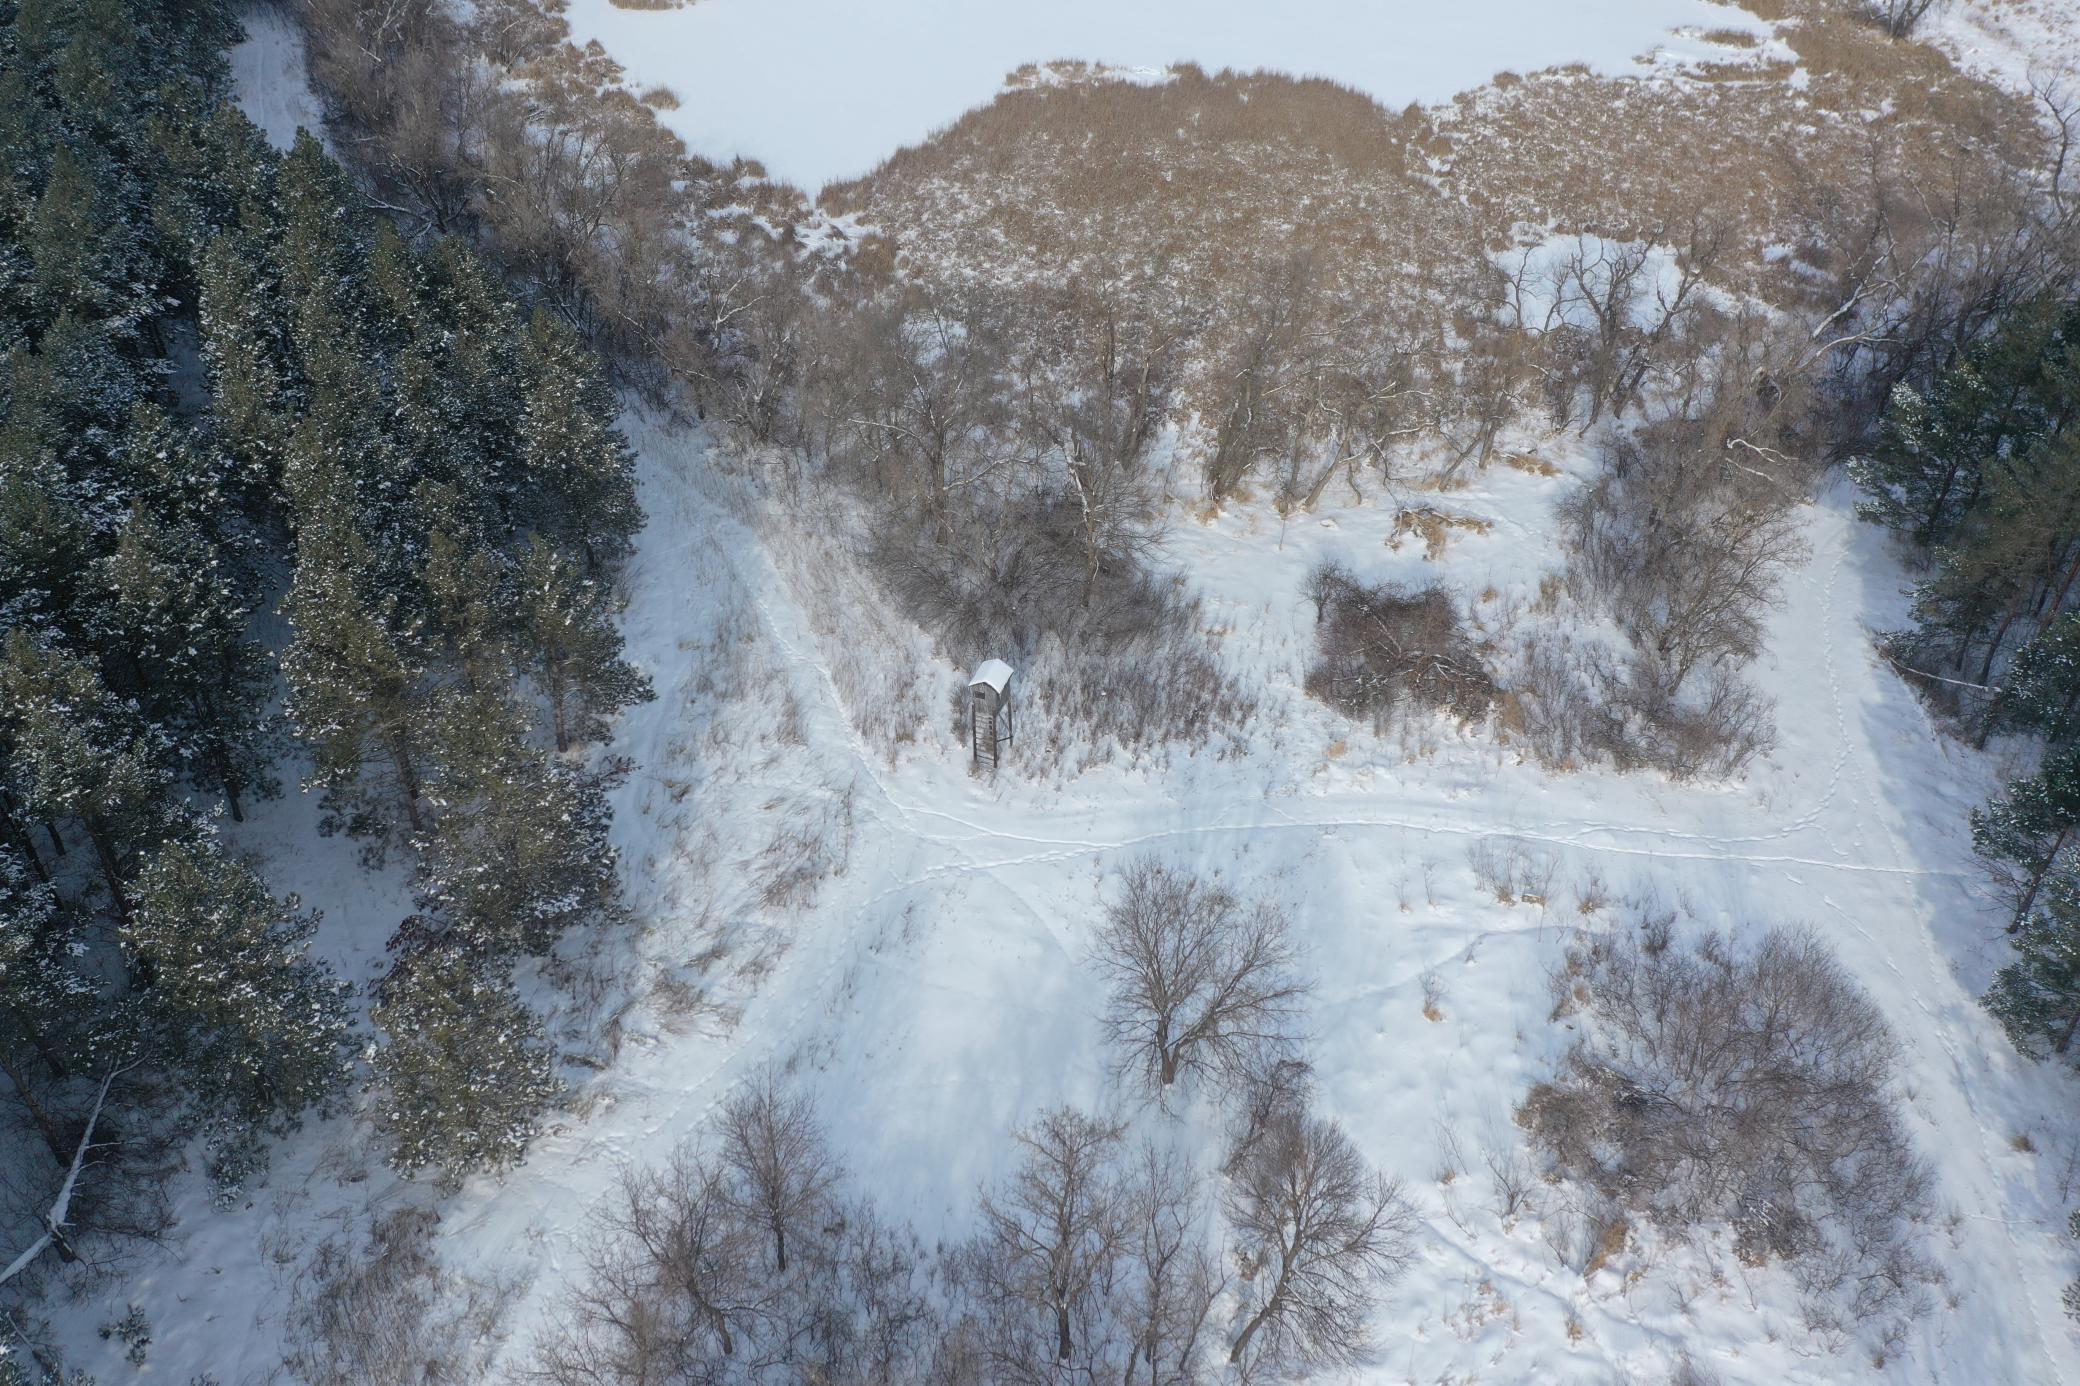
<point x="1550" y="528"/>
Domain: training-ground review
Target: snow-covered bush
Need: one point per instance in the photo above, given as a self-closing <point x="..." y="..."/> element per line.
<point x="1382" y="648"/>
<point x="379" y="1310"/>
<point x="1746" y="1088"/>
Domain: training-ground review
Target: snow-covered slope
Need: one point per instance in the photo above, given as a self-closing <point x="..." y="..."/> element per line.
<point x="821" y="90"/>
<point x="939" y="991"/>
<point x="931" y="988"/>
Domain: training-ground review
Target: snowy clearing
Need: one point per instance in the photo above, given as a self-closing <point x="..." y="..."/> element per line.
<point x="821" y="90"/>
<point x="930" y="982"/>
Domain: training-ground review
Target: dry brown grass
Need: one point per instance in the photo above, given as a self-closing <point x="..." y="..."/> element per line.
<point x="660" y="98"/>
<point x="1435" y="526"/>
<point x="649" y="4"/>
<point x="1192" y="188"/>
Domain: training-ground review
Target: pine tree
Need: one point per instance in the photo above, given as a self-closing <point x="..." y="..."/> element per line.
<point x="47" y="1005"/>
<point x="227" y="990"/>
<point x="2036" y="997"/>
<point x="250" y="396"/>
<point x="70" y="753"/>
<point x="465" y="1075"/>
<point x="354" y="688"/>
<point x="2042" y="690"/>
<point x="46" y="543"/>
<point x="86" y="257"/>
<point x="571" y="647"/>
<point x="517" y="853"/>
<point x="1937" y="450"/>
<point x="579" y="474"/>
<point x="2026" y="833"/>
<point x="175" y="619"/>
<point x="468" y="619"/>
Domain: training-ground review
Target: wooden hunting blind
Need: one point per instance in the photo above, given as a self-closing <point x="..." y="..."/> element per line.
<point x="989" y="712"/>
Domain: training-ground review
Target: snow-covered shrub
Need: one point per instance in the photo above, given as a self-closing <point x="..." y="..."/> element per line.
<point x="1748" y="1088"/>
<point x="685" y="1278"/>
<point x="1511" y="869"/>
<point x="1119" y="657"/>
<point x="1575" y="701"/>
<point x="1381" y="648"/>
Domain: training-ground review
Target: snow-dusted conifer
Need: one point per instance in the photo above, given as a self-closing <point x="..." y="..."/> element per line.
<point x="517" y="853"/>
<point x="353" y="689"/>
<point x="571" y="647"/>
<point x="465" y="1074"/>
<point x="580" y="477"/>
<point x="171" y="612"/>
<point x="74" y="755"/>
<point x="2025" y="835"/>
<point x="227" y="991"/>
<point x="2036" y="997"/>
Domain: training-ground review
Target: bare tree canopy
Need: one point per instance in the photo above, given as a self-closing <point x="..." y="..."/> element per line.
<point x="1321" y="1236"/>
<point x="1049" y="1240"/>
<point x="784" y="1170"/>
<point x="1201" y="980"/>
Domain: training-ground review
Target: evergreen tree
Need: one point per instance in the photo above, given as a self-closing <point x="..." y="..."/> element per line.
<point x="353" y="690"/>
<point x="73" y="754"/>
<point x="571" y="647"/>
<point x="250" y="396"/>
<point x="465" y="1075"/>
<point x="2026" y="833"/>
<point x="2036" y="997"/>
<point x="46" y="1004"/>
<point x="467" y="617"/>
<point x="579" y="475"/>
<point x="518" y="850"/>
<point x="175" y="619"/>
<point x="1936" y="451"/>
<point x="227" y="991"/>
<point x="2042" y="691"/>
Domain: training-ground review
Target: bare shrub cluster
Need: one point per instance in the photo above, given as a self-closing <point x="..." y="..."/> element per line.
<point x="1683" y="541"/>
<point x="381" y="1311"/>
<point x="1380" y="649"/>
<point x="1744" y="1087"/>
<point x="1003" y="448"/>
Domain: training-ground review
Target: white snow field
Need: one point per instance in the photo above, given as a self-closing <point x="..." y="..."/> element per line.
<point x="823" y="90"/>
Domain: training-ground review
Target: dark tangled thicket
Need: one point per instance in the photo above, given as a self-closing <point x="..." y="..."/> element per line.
<point x="1381" y="649"/>
<point x="1749" y="1086"/>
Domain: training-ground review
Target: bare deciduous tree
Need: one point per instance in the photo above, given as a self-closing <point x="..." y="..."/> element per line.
<point x="1171" y="1277"/>
<point x="1201" y="980"/>
<point x="1321" y="1237"/>
<point x="1899" y="18"/>
<point x="1051" y="1236"/>
<point x="1326" y="581"/>
<point x="672" y="1289"/>
<point x="786" y="1175"/>
<point x="1686" y="542"/>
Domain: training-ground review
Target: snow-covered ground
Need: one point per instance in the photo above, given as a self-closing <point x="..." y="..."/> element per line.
<point x="936" y="990"/>
<point x="2014" y="42"/>
<point x="823" y="90"/>
<point x="273" y="77"/>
